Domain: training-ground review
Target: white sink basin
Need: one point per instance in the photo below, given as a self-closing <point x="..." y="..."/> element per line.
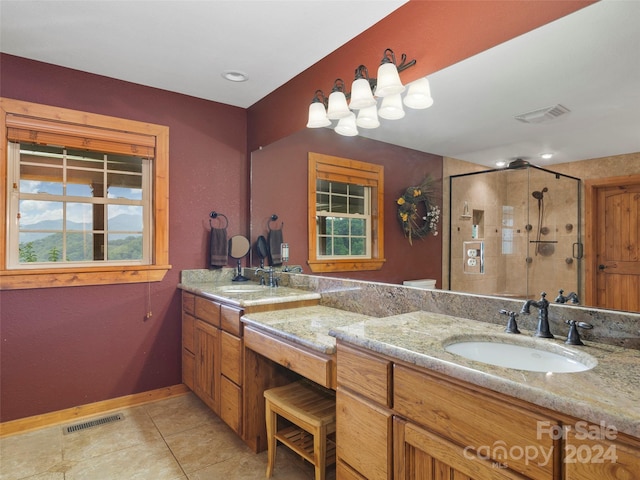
<point x="533" y="358"/>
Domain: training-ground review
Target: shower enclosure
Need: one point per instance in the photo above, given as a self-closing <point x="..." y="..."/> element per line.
<point x="515" y="232"/>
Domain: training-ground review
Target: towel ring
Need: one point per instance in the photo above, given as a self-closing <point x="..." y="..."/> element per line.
<point x="273" y="218"/>
<point x="215" y="214"/>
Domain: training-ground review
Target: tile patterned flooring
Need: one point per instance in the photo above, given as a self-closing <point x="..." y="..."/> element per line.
<point x="173" y="439"/>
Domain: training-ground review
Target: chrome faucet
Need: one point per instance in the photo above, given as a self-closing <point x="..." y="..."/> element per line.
<point x="273" y="280"/>
<point x="561" y="298"/>
<point x="542" y="330"/>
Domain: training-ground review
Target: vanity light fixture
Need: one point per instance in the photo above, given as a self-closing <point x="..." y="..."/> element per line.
<point x="364" y="95"/>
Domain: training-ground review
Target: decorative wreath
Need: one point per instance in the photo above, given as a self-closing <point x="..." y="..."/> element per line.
<point x="417" y="212"/>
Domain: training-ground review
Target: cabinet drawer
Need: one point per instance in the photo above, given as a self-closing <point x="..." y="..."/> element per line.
<point x="208" y="311"/>
<point x="188" y="323"/>
<point x="230" y="404"/>
<point x="188" y="302"/>
<point x="363" y="430"/>
<point x="231" y="357"/>
<point x="473" y="419"/>
<point x="368" y="375"/>
<point x="230" y="320"/>
<point x="188" y="366"/>
<point x="316" y="367"/>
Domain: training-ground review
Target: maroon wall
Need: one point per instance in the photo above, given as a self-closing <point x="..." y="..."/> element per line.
<point x="279" y="185"/>
<point x="63" y="347"/>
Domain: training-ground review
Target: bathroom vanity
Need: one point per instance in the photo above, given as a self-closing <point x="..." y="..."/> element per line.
<point x="408" y="408"/>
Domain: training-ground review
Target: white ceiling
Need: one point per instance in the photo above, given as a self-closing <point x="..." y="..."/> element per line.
<point x="588" y="61"/>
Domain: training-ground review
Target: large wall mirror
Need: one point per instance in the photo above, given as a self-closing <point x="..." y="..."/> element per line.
<point x="605" y="126"/>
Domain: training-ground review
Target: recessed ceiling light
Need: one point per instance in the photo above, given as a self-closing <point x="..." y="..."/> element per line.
<point x="235" y="76"/>
<point x="501" y="163"/>
<point x="546" y="156"/>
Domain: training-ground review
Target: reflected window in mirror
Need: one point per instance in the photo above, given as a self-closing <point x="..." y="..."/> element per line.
<point x="345" y="214"/>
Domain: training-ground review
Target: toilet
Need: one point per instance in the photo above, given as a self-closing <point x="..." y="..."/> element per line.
<point x="425" y="283"/>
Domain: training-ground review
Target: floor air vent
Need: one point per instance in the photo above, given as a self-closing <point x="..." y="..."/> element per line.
<point x="93" y="423"/>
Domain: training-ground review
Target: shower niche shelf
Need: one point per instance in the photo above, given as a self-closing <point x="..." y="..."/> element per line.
<point x="477" y="227"/>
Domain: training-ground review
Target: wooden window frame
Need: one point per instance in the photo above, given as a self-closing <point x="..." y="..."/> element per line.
<point x="77" y="123"/>
<point x="345" y="170"/>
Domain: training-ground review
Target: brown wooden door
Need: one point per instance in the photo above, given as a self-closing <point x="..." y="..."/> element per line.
<point x="613" y="272"/>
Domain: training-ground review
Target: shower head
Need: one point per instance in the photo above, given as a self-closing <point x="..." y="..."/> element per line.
<point x="538" y="195"/>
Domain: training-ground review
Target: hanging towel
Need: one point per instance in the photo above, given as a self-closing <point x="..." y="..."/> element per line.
<point x="218" y="248"/>
<point x="275" y="239"/>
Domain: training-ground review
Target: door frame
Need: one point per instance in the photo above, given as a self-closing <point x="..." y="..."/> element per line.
<point x="591" y="187"/>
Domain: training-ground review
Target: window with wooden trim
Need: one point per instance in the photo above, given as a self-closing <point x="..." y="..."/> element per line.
<point x="86" y="199"/>
<point x="345" y="214"/>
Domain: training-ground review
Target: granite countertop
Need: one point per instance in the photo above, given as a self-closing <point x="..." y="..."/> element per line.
<point x="607" y="393"/>
<point x="308" y="326"/>
<point x="247" y="294"/>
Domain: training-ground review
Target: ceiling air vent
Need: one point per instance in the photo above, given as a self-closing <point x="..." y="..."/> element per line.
<point x="542" y="114"/>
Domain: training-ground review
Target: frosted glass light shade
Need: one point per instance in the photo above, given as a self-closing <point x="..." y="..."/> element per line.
<point x="317" y="116"/>
<point x="347" y="126"/>
<point x="337" y="106"/>
<point x="368" y="117"/>
<point x="361" y="95"/>
<point x="391" y="107"/>
<point x="388" y="81"/>
<point x="419" y="95"/>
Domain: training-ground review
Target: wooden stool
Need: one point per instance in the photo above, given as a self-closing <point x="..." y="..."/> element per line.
<point x="312" y="410"/>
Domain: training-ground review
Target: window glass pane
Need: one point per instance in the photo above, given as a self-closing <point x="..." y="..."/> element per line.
<point x="47" y="248"/>
<point x="79" y="247"/>
<point x="357" y="190"/>
<point x="40" y="215"/>
<point x="356" y="205"/>
<point x="341" y="226"/>
<point x="85" y="183"/>
<point x="340" y="246"/>
<point x="358" y="226"/>
<point x="85" y="159"/>
<point x="40" y="179"/>
<point x="358" y="246"/>
<point x="124" y="186"/>
<point x="124" y="247"/>
<point x="338" y="204"/>
<point x="124" y="218"/>
<point x="80" y="216"/>
<point x="123" y="163"/>
<point x="322" y="185"/>
<point x="322" y="202"/>
<point x="340" y="188"/>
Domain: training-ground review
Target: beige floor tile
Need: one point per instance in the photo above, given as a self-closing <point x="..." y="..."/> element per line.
<point x="30" y="453"/>
<point x="136" y="428"/>
<point x="205" y="445"/>
<point x="181" y="413"/>
<point x="149" y="461"/>
<point x="249" y="466"/>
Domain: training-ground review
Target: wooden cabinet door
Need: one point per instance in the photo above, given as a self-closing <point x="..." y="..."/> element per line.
<point x="423" y="455"/>
<point x="599" y="458"/>
<point x="207" y="365"/>
<point x="363" y="431"/>
<point x="231" y="404"/>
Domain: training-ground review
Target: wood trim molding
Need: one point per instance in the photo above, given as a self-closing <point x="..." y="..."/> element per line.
<point x="74" y="414"/>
